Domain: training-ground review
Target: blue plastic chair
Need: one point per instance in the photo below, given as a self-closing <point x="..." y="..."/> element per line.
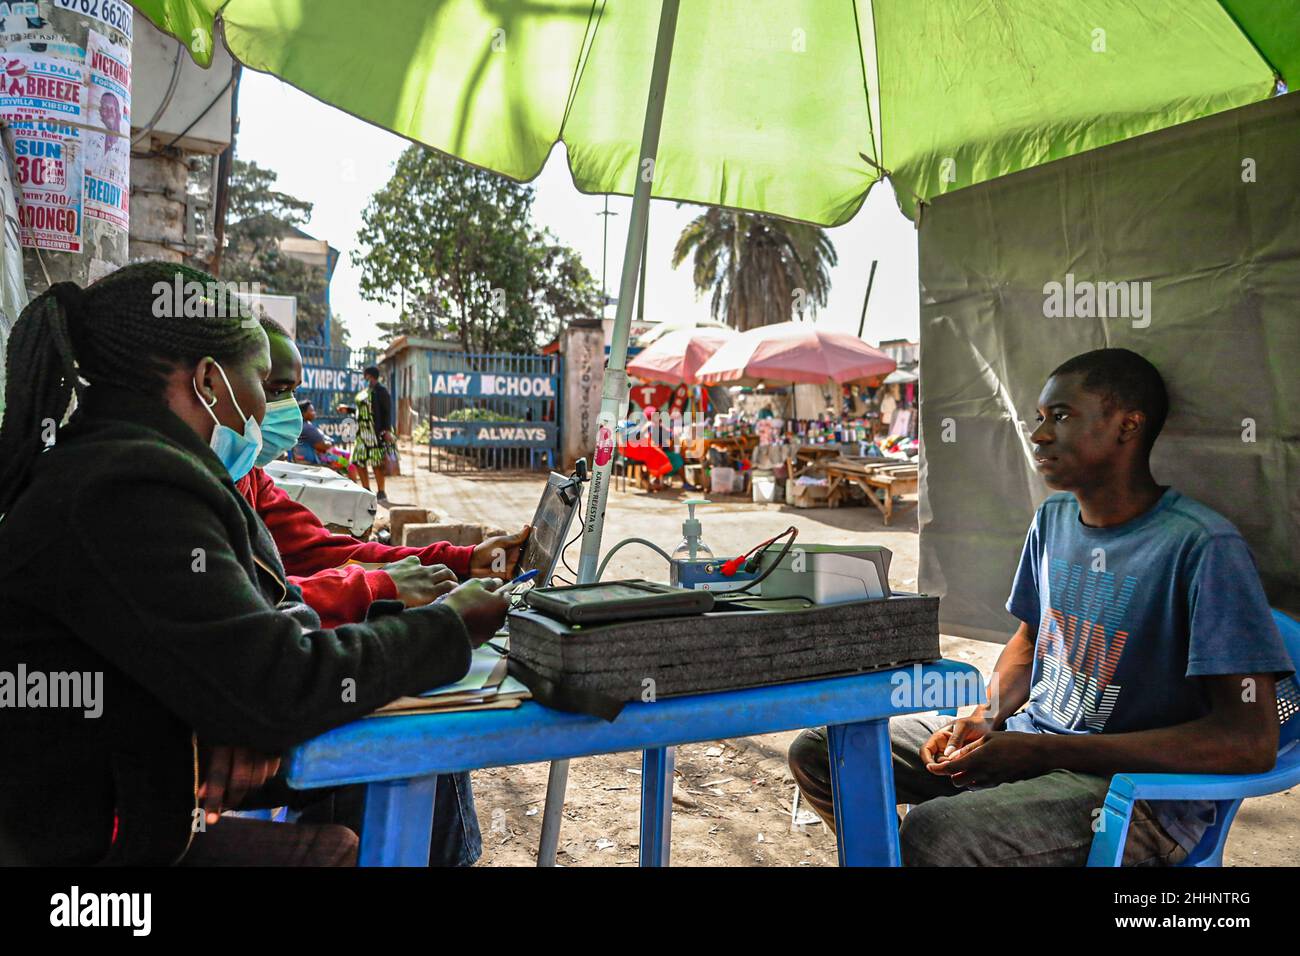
<point x="1226" y="790"/>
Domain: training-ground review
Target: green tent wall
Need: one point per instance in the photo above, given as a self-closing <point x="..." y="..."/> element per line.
<point x="1208" y="213"/>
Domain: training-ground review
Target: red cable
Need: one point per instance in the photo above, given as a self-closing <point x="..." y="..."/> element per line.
<point x="729" y="568"/>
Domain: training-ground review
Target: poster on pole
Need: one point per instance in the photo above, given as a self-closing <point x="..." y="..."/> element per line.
<point x="45" y="86"/>
<point x="41" y="100"/>
<point x="108" y="153"/>
<point x="50" y="171"/>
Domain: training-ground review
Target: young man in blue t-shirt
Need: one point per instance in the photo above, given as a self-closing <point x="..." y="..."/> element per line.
<point x="1145" y="644"/>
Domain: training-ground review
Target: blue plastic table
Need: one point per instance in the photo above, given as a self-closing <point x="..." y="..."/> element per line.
<point x="399" y="757"/>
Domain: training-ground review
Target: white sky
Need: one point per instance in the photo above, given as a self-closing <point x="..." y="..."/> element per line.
<point x="337" y="162"/>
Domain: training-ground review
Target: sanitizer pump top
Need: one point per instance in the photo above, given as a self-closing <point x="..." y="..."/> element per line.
<point x="692" y="547"/>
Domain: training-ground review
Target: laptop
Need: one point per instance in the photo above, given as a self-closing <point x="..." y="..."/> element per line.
<point x="551" y="524"/>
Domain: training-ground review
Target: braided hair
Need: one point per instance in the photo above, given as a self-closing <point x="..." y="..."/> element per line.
<point x="110" y="333"/>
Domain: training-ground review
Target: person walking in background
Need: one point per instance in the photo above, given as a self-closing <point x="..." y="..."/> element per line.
<point x="374" y="410"/>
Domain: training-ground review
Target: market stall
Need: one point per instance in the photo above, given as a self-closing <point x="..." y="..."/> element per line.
<point x="804" y="395"/>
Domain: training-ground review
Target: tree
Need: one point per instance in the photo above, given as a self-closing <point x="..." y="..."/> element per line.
<point x="338" y="332"/>
<point x="760" y="270"/>
<point x="262" y="216"/>
<point x="454" y="246"/>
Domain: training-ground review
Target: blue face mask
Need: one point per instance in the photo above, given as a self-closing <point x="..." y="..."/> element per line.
<point x="281" y="427"/>
<point x="237" y="452"/>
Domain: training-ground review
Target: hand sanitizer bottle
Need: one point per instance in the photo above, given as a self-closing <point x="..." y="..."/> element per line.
<point x="692" y="547"/>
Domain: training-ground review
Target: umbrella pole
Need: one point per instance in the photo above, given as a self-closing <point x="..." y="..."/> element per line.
<point x="614" y="396"/>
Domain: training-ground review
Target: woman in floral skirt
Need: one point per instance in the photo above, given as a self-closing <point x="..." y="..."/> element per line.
<point x="374" y="411"/>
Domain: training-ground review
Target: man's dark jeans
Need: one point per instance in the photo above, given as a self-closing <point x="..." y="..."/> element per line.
<point x="1042" y="821"/>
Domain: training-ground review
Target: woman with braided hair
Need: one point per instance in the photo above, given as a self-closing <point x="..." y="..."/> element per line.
<point x="144" y="623"/>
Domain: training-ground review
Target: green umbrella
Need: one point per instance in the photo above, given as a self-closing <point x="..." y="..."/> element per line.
<point x="788" y="107"/>
<point x="771" y="105"/>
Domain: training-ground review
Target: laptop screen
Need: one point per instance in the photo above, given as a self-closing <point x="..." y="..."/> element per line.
<point x="551" y="525"/>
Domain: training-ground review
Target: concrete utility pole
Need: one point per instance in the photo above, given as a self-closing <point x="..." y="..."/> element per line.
<point x="65" y="105"/>
<point x="113" y="134"/>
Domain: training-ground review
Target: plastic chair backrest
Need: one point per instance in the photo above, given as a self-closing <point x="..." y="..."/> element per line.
<point x="1288" y="690"/>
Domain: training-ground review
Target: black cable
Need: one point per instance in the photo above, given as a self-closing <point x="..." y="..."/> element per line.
<point x="196" y="119"/>
<point x="755" y="556"/>
<point x="167" y="97"/>
<point x="750" y="558"/>
<point x="793" y="532"/>
<point x="564" y="560"/>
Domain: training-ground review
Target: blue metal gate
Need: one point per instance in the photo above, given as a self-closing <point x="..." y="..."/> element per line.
<point x="332" y="376"/>
<point x="492" y="411"/>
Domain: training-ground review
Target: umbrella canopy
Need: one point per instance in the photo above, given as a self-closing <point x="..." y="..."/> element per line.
<point x="658" y="331"/>
<point x="790" y="107"/>
<point x="676" y="357"/>
<point x="901" y="377"/>
<point x="794" y="352"/>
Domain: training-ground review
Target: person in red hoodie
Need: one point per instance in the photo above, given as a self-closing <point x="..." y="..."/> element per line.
<point x="326" y="566"/>
<point x="318" y="560"/>
<point x="341" y="593"/>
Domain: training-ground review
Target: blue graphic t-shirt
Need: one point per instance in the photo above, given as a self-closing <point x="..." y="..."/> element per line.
<point x="1129" y="615"/>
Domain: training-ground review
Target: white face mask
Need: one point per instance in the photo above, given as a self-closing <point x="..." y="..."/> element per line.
<point x="237" y="452"/>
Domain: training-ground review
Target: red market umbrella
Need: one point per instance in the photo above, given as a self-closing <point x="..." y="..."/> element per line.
<point x="657" y="331"/>
<point x="798" y="352"/>
<point x="676" y="357"/>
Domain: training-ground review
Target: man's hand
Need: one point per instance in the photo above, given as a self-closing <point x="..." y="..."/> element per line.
<point x="998" y="757"/>
<point x="497" y="557"/>
<point x="946" y="741"/>
<point x="231" y="774"/>
<point x="482" y="611"/>
<point x="419" y="584"/>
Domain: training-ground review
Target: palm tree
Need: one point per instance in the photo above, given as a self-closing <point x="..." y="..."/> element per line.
<point x="761" y="270"/>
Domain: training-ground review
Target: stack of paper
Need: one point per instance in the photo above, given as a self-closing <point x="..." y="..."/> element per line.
<point x="486" y="687"/>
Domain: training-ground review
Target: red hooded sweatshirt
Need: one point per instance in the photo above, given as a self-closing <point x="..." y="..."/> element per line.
<point x="317" y="561"/>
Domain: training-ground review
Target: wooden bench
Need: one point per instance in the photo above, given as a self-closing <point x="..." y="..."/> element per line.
<point x="888" y="476"/>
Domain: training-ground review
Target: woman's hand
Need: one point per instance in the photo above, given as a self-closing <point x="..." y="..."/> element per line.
<point x="231" y="774"/>
<point x="418" y="584"/>
<point x="497" y="557"/>
<point x="482" y="611"/>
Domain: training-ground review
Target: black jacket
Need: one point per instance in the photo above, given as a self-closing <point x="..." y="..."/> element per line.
<point x="381" y="404"/>
<point x="131" y="554"/>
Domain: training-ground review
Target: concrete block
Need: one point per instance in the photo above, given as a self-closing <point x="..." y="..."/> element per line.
<point x="422" y="535"/>
<point x="399" y="517"/>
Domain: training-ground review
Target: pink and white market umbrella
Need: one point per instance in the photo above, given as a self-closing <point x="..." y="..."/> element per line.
<point x="797" y="352"/>
<point x="676" y="357"/>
